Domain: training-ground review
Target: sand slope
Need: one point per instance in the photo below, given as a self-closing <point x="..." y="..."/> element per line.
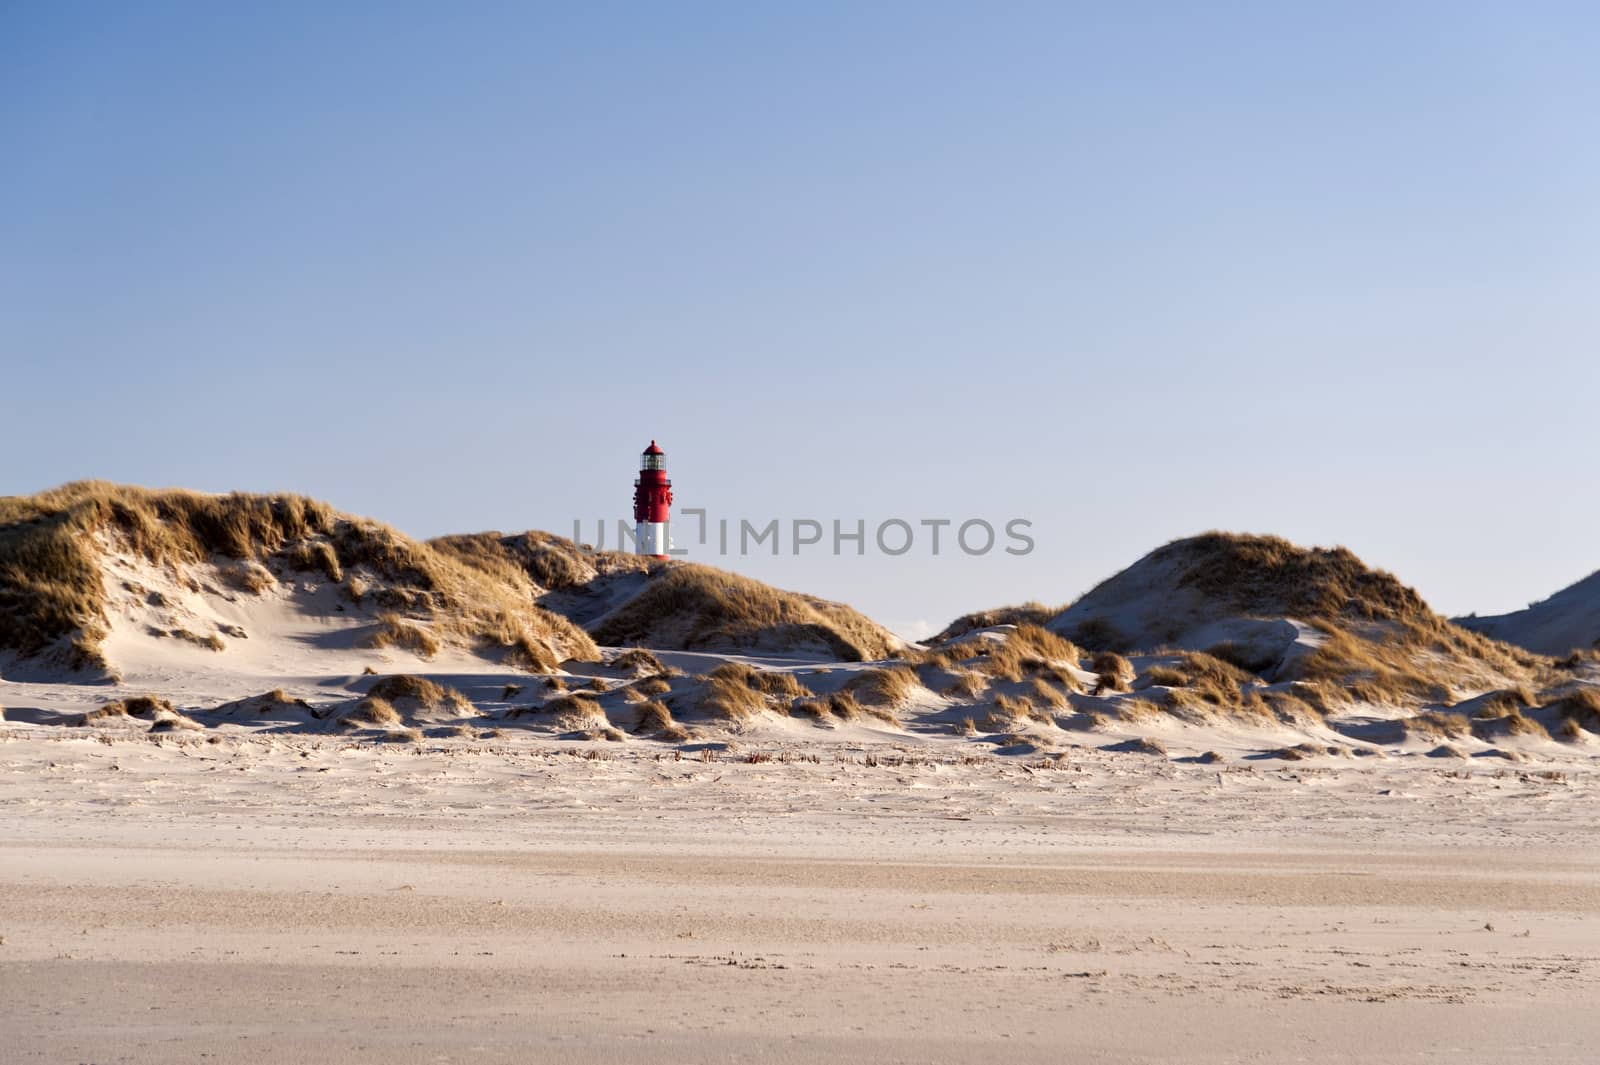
<point x="1567" y="621"/>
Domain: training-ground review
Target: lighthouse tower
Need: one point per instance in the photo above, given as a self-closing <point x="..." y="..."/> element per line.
<point x="652" y="503"/>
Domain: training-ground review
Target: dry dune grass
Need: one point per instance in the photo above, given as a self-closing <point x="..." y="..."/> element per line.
<point x="781" y="684"/>
<point x="576" y="712"/>
<point x="1030" y="613"/>
<point x="1115" y="673"/>
<point x="579" y="702"/>
<point x="1135" y="711"/>
<point x="1061" y="675"/>
<point x="551" y="562"/>
<point x="1580" y="658"/>
<point x="1044" y="695"/>
<point x="655" y="721"/>
<point x="1577" y="711"/>
<point x="212" y="642"/>
<point x="1163" y="676"/>
<point x="726" y="694"/>
<point x="1500" y="714"/>
<point x="1287" y="707"/>
<point x="1507" y="701"/>
<point x="1323" y="698"/>
<point x="968" y="685"/>
<point x="1266" y="576"/>
<point x="652" y="686"/>
<point x="407" y="686"/>
<point x="1038" y="642"/>
<point x="1511" y="722"/>
<point x="1435" y="724"/>
<point x="1409" y="662"/>
<point x="1301" y="751"/>
<point x="1026" y="649"/>
<point x="735" y="692"/>
<point x="140" y="706"/>
<point x="172" y="721"/>
<point x="1244" y="657"/>
<point x="846" y="707"/>
<point x="1199" y="684"/>
<point x="249" y="576"/>
<point x="1185" y="705"/>
<point x="1147" y="745"/>
<point x="653" y="717"/>
<point x="406" y="691"/>
<point x="638" y="662"/>
<point x="841" y="705"/>
<point x="891" y="687"/>
<point x="1030" y="649"/>
<point x="392" y="630"/>
<point x="555" y="562"/>
<point x="318" y="555"/>
<point x="929" y="660"/>
<point x="371" y="712"/>
<point x="1000" y="664"/>
<point x="1009" y="713"/>
<point x="766" y="681"/>
<point x="51" y="594"/>
<point x="274" y="700"/>
<point x="699" y="608"/>
<point x="816" y="709"/>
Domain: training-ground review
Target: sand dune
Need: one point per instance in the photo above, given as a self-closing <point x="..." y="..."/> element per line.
<point x="1566" y="622"/>
<point x="1228" y="629"/>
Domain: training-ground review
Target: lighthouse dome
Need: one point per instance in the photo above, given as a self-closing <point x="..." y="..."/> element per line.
<point x="653" y="458"/>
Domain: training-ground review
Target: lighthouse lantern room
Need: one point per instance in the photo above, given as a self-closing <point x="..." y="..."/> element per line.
<point x="652" y="504"/>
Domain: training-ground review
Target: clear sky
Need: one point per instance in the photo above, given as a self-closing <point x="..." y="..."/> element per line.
<point x="1129" y="271"/>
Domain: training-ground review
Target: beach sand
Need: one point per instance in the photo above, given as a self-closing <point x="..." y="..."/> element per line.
<point x="303" y="898"/>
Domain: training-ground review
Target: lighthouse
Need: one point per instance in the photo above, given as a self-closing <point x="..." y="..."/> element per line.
<point x="652" y="503"/>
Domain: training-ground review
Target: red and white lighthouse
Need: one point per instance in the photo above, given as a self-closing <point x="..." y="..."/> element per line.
<point x="652" y="504"/>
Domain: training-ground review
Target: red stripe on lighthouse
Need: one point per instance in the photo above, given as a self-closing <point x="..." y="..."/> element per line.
<point x="652" y="499"/>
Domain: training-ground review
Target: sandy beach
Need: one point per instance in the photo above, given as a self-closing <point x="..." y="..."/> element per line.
<point x="267" y="899"/>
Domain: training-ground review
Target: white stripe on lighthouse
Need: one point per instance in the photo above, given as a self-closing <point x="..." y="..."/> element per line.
<point x="653" y="537"/>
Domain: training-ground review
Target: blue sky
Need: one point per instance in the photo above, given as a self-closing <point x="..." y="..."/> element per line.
<point x="1127" y="271"/>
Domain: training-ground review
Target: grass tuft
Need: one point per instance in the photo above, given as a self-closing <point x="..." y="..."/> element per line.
<point x="891" y="687"/>
<point x="700" y="608"/>
<point x="392" y="630"/>
<point x="967" y="685"/>
<point x="639" y="662"/>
